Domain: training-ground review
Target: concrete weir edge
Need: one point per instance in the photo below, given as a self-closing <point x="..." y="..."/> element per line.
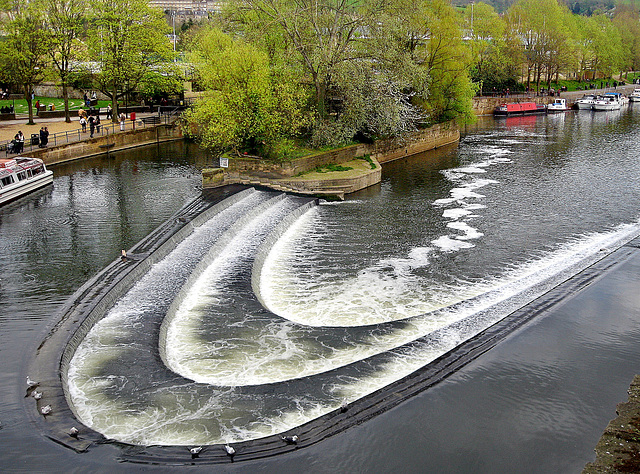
<point x="50" y="360"/>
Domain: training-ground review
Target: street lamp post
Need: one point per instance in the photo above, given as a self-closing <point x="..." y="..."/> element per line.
<point x="173" y="23"/>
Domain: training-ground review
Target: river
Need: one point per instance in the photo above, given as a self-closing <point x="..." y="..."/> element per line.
<point x="354" y="296"/>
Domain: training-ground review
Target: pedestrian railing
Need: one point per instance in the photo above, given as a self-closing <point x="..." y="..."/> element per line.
<point x="78" y="135"/>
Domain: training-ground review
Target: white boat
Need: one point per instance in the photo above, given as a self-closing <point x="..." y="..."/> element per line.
<point x="20" y="176"/>
<point x="558" y="105"/>
<point x="608" y="101"/>
<point x="635" y="96"/>
<point x="586" y="102"/>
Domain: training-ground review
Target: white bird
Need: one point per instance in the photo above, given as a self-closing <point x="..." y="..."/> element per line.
<point x="290" y="439"/>
<point x="344" y="406"/>
<point x="45" y="410"/>
<point x="31" y="383"/>
<point x="230" y="451"/>
<point x="195" y="451"/>
<point x="37" y="395"/>
<point x="73" y="432"/>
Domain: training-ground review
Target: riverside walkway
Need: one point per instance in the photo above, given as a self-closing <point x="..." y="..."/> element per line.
<point x="61" y="132"/>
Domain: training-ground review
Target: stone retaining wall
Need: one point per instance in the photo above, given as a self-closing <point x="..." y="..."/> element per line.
<point x="102" y="144"/>
<point x="417" y="142"/>
<point x="486" y="105"/>
<point x="382" y="150"/>
<point x="345" y="185"/>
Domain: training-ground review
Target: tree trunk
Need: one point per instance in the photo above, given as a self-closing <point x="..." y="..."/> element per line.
<point x="114" y="103"/>
<point x="321" y="94"/>
<point x="27" y="96"/>
<point x="65" y="98"/>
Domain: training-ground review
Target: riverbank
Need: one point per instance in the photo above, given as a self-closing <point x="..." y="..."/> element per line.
<point x="334" y="173"/>
<point x="619" y="447"/>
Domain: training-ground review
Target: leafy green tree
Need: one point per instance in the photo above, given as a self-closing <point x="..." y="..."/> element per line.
<point x="627" y="21"/>
<point x="65" y="24"/>
<point x="606" y="44"/>
<point x="542" y="27"/>
<point x="127" y="40"/>
<point x="494" y="66"/>
<point x="23" y="51"/>
<point x="323" y="33"/>
<point x="434" y="40"/>
<point x="246" y="106"/>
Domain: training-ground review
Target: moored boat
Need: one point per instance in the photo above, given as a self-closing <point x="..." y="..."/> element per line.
<point x="520" y="108"/>
<point x="20" y="176"/>
<point x="635" y="96"/>
<point x="586" y="102"/>
<point x="608" y="101"/>
<point x="558" y="105"/>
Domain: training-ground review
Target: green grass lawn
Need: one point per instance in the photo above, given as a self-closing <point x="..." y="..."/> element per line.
<point x="74" y="104"/>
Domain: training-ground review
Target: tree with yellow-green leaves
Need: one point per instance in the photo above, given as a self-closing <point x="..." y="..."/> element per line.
<point x="247" y="106"/>
<point x="543" y="28"/>
<point x="65" y="22"/>
<point x="126" y="40"/>
<point x="24" y="48"/>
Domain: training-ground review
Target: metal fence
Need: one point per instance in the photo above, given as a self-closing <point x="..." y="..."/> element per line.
<point x="78" y="135"/>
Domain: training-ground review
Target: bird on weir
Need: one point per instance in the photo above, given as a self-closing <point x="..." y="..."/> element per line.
<point x="195" y="451"/>
<point x="230" y="451"/>
<point x="290" y="439"/>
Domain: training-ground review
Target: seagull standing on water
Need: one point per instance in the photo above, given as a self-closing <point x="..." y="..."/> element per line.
<point x="31" y="383"/>
<point x="45" y="410"/>
<point x="37" y="395"/>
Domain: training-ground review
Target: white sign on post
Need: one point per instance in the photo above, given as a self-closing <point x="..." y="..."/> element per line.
<point x="224" y="162"/>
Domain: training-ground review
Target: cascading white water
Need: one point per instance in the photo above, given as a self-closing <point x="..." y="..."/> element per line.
<point x="340" y="323"/>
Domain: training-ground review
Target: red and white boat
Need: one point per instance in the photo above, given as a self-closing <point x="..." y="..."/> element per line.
<point x="521" y="108"/>
<point x="20" y="176"/>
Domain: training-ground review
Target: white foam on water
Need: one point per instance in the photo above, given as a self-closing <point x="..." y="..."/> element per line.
<point x="470" y="170"/>
<point x="469" y="232"/>
<point x="448" y="244"/>
<point x="155" y="423"/>
<point x="456" y="213"/>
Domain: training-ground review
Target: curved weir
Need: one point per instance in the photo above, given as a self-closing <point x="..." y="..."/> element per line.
<point x="265" y="314"/>
<point x="229" y="371"/>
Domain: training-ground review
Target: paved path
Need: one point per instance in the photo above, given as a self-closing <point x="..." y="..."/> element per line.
<point x="60" y="132"/>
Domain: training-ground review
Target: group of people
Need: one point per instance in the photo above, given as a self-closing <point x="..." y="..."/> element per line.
<point x="17" y="144"/>
<point x="92" y="120"/>
<point x="44" y="137"/>
<point x="6" y="110"/>
<point x="87" y="100"/>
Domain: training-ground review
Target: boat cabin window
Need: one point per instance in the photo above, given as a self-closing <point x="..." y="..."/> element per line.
<point x="7" y="180"/>
<point x="37" y="170"/>
<point x="22" y="175"/>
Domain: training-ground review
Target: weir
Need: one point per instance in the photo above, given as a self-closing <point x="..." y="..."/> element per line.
<point x="163" y="386"/>
<point x="271" y="316"/>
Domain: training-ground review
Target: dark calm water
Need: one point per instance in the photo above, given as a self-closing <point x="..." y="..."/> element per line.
<point x="518" y="204"/>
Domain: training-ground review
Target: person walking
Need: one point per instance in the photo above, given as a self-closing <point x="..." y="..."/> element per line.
<point x="92" y="125"/>
<point x="45" y="138"/>
<point x="123" y="117"/>
<point x="109" y="113"/>
<point x="97" y="123"/>
<point x="83" y="124"/>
